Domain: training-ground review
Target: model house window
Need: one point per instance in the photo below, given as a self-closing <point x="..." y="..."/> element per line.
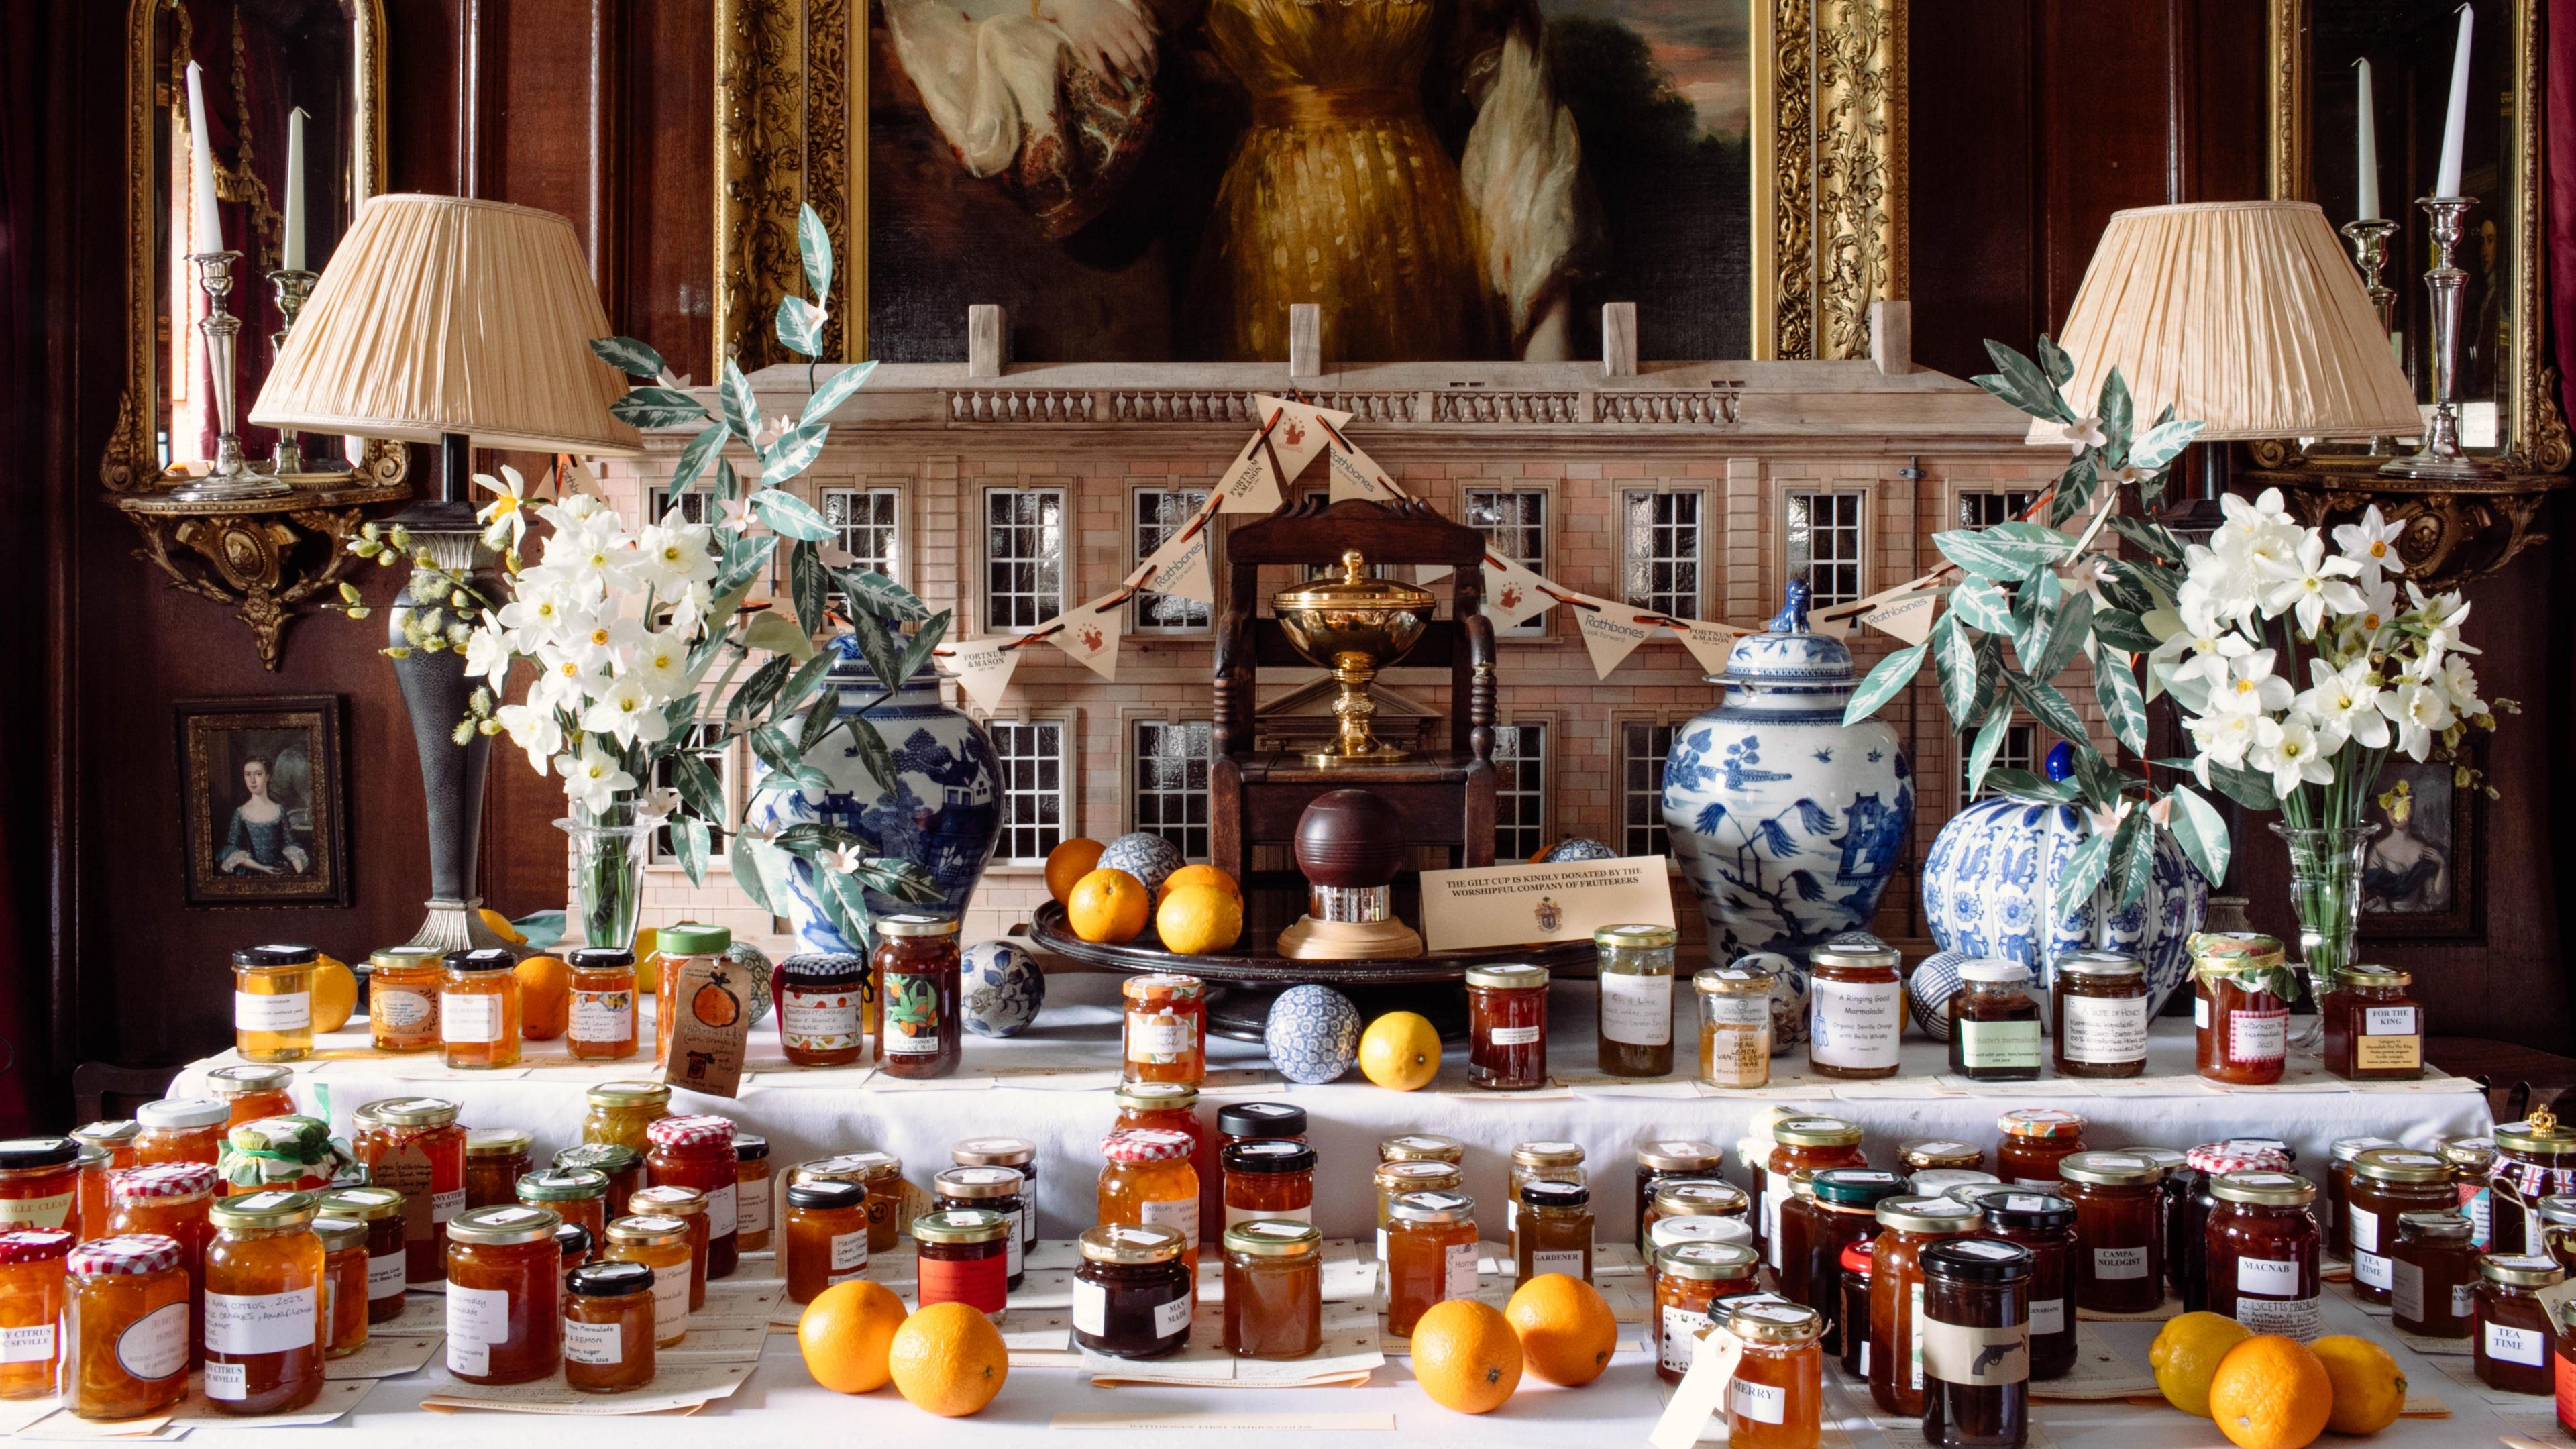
<point x="1024" y="556"/>
<point x="1160" y="513"/>
<point x="1514" y="523"/>
<point x="1986" y="507"/>
<point x="1037" y="806"/>
<point x="694" y="505"/>
<point x="867" y="521"/>
<point x="1642" y="747"/>
<point x="1824" y="539"/>
<point x="2019" y="751"/>
<point x="1661" y="545"/>
<point x="1170" y="782"/>
<point x="706" y="740"/>
<point x="1520" y="792"/>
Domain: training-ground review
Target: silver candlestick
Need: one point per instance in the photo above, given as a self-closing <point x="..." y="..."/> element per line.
<point x="2440" y="457"/>
<point x="235" y="478"/>
<point x="292" y="287"/>
<point x="2369" y="239"/>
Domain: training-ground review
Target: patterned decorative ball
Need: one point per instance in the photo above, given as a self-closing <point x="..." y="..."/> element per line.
<point x="1929" y="989"/>
<point x="1788" y="996"/>
<point x="1313" y="1034"/>
<point x="1149" y="858"/>
<point x="755" y="965"/>
<point x="1576" y="848"/>
<point x="1003" y="988"/>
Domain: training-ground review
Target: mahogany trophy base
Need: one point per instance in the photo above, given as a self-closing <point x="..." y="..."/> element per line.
<point x="1314" y="940"/>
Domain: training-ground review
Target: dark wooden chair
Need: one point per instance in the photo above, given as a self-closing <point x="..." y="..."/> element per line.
<point x="1445" y="797"/>
<point x="102" y="1090"/>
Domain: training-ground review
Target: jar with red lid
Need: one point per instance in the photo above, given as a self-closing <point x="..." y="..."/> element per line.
<point x="1165" y="1033"/>
<point x="965" y="1258"/>
<point x="920" y="973"/>
<point x="821" y="997"/>
<point x="2261" y="1248"/>
<point x="2035" y="1140"/>
<point x="1174" y="1106"/>
<point x="176" y="1129"/>
<point x="2240" y="1007"/>
<point x="2118" y="1262"/>
<point x="1507" y="1027"/>
<point x="1149" y="1179"/>
<point x="415" y="1146"/>
<point x="125" y="1328"/>
<point x="2046" y="1224"/>
<point x="170" y="1200"/>
<point x="31" y="1309"/>
<point x="2188" y="1203"/>
<point x="1268" y="1177"/>
<point x="1855" y="1338"/>
<point x="697" y="1151"/>
<point x="39" y="1182"/>
<point x="252" y="1091"/>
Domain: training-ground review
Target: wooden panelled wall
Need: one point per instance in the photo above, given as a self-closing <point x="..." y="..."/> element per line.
<point x="2032" y="121"/>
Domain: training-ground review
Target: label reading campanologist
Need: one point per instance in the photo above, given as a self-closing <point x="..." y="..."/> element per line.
<point x="1528" y="905"/>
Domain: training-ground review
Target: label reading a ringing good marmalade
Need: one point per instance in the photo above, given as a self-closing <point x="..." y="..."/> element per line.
<point x="1853" y="1024"/>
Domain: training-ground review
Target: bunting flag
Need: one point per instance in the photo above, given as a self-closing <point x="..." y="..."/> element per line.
<point x="1708" y="643"/>
<point x="1905" y="611"/>
<point x="1514" y="595"/>
<point x="1611" y="630"/>
<point x="1356" y="475"/>
<point x="1090" y="633"/>
<point x="1180" y="567"/>
<point x="983" y="667"/>
<point x="1292" y="433"/>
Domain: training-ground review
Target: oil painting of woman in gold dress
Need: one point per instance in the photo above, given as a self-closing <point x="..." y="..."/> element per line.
<point x="1153" y="180"/>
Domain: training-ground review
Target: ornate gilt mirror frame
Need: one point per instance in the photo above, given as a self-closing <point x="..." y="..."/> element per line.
<point x="1827" y="153"/>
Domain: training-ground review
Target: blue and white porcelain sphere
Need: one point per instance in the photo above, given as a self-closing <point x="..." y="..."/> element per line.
<point x="1788" y="822"/>
<point x="755" y="967"/>
<point x="1002" y="988"/>
<point x="1991" y="873"/>
<point x="1577" y="848"/>
<point x="1788" y="996"/>
<point x="1313" y="1034"/>
<point x="942" y="811"/>
<point x="1929" y="990"/>
<point x="1149" y="858"/>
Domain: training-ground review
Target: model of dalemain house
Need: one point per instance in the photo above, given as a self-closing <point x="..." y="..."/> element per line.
<point x="1695" y="490"/>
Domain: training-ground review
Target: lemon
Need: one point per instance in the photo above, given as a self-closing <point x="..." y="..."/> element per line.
<point x="648" y="963"/>
<point x="499" y="925"/>
<point x="2369" y="1388"/>
<point x="2186" y="1354"/>
<point x="1400" y="1051"/>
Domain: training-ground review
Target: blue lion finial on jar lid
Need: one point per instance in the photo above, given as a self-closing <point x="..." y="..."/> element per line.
<point x="2061" y="761"/>
<point x="1792" y="618"/>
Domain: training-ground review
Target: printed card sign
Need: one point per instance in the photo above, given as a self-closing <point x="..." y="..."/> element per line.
<point x="983" y="667"/>
<point x="1709" y="643"/>
<point x="711" y="1020"/>
<point x="1356" y="475"/>
<point x="1527" y="905"/>
<point x="1611" y="631"/>
<point x="1090" y="635"/>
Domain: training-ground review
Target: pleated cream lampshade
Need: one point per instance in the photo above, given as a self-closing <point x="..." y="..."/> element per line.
<point x="438" y="315"/>
<point x="2247" y="315"/>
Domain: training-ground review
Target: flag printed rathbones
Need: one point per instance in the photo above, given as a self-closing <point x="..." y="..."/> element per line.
<point x="1514" y="595"/>
<point x="1090" y="635"/>
<point x="1293" y="436"/>
<point x="1611" y="631"/>
<point x="982" y="667"/>
<point x="1180" y="567"/>
<point x="1356" y="475"/>
<point x="1905" y="611"/>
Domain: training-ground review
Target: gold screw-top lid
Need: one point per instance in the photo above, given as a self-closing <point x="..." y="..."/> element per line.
<point x="1421" y="1147"/>
<point x="1681" y="1156"/>
<point x="917" y="925"/>
<point x="1635" y="938"/>
<point x="1856" y="955"/>
<point x="1273" y="1238"/>
<point x="504" y="1224"/>
<point x="2109" y="1169"/>
<point x="626" y="1096"/>
<point x="264" y="1210"/>
<point x="1707" y="1262"/>
<point x="665" y="1199"/>
<point x="2531" y="1271"/>
<point x="1132" y="1243"/>
<point x="1770" y="1320"/>
<point x="1924" y="1152"/>
<point x="1701" y="1197"/>
<point x="962" y="1225"/>
<point x="1157" y="1097"/>
<point x="2398" y="1164"/>
<point x="2263" y="1189"/>
<point x="1927" y="1215"/>
<point x="1815" y="1132"/>
<point x="851" y="1167"/>
<point x="1416" y="1175"/>
<point x="498" y="1141"/>
<point x="364" y="1204"/>
<point x="648" y="1231"/>
<point x="2539" y="1132"/>
<point x="409" y="1112"/>
<point x="1548" y="1154"/>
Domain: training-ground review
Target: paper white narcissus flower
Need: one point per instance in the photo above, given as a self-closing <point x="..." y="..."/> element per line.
<point x="487" y="654"/>
<point x="601" y="643"/>
<point x="659" y="803"/>
<point x="2420" y="711"/>
<point x="627" y="712"/>
<point x="2307" y="583"/>
<point x="2223" y="739"/>
<point x="504" y="519"/>
<point x="2371" y="544"/>
<point x="593" y="778"/>
<point x="2459" y="681"/>
<point x="2289" y="751"/>
<point x="846" y="859"/>
<point x="533" y="729"/>
<point x="2251" y="687"/>
<point x="2345" y="704"/>
<point x="661" y="662"/>
<point x="672" y="554"/>
<point x="536" y="617"/>
<point x="2441" y="619"/>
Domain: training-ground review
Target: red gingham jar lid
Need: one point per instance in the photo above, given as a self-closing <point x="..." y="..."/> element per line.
<point x="161" y="1180"/>
<point x="127" y="1253"/>
<point x="2237" y="1156"/>
<point x="1146" y="1144"/>
<point x="33" y="1245"/>
<point x="2040" y="1122"/>
<point x="690" y="1132"/>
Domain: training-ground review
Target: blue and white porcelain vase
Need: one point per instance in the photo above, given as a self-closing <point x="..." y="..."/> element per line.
<point x="942" y="811"/>
<point x="1788" y="822"/>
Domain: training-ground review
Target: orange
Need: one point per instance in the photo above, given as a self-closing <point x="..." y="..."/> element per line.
<point x="1198" y="919"/>
<point x="1068" y="863"/>
<point x="948" y="1359"/>
<point x="1108" y="905"/>
<point x="2369" y="1387"/>
<point x="845" y="1333"/>
<point x="1466" y="1356"/>
<point x="2271" y="1393"/>
<point x="1197" y="875"/>
<point x="545" y="998"/>
<point x="335" y="994"/>
<point x="1566" y="1330"/>
<point x="2186" y="1353"/>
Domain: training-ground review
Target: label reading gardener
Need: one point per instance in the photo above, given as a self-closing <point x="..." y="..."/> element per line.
<point x="1998" y="1045"/>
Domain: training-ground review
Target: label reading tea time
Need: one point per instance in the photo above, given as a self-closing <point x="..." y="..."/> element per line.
<point x="2516" y="1345"/>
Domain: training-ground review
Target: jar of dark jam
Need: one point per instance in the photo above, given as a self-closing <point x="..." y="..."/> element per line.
<point x="2035" y="1140"/>
<point x="2515" y="1336"/>
<point x="1668" y="1161"/>
<point x="994" y="1189"/>
<point x="2097" y="1015"/>
<point x="1556" y="1232"/>
<point x="1841" y="1211"/>
<point x="2261" y="1245"/>
<point x="1013" y="1152"/>
<point x="1507" y="1027"/>
<point x="2045" y="1224"/>
<point x="1994" y="1025"/>
<point x="2119" y="1205"/>
<point x="1976" y="1344"/>
<point x="918" y="975"/>
<point x="821" y="997"/>
<point x="2433" y="1275"/>
<point x="1906" y="1227"/>
<point x="1808" y="1143"/>
<point x="1131" y="1291"/>
<point x="2188" y="1203"/>
<point x="2374" y="1029"/>
<point x="2534" y="1159"/>
<point x="2388" y="1182"/>
<point x="2339" y="1187"/>
<point x="1855" y="1312"/>
<point x="2240" y="1007"/>
<point x="965" y="1257"/>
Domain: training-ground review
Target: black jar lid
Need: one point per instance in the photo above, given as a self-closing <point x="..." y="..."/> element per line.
<point x="1261" y="1119"/>
<point x="827" y="1193"/>
<point x="574" y="1239"/>
<point x="1856" y="1186"/>
<point x="1977" y="1260"/>
<point x="749" y="1147"/>
<point x="19" y="1152"/>
<point x="2017" y="1209"/>
<point x="274" y="955"/>
<point x="484" y="958"/>
<point x="1268" y="1154"/>
<point x="1547" y="1192"/>
<point x="609" y="1280"/>
<point x="601" y="958"/>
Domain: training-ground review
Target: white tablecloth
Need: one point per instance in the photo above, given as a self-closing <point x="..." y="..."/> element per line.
<point x="1053" y="1083"/>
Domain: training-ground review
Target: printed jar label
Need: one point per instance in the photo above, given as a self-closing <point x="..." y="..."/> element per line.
<point x="979" y="1283"/>
<point x="2464" y="1299"/>
<point x="1158" y="1039"/>
<point x="1515" y="1035"/>
<point x="1736" y="1009"/>
<point x="1956" y="1353"/>
<point x="282" y="1011"/>
<point x="2516" y="1345"/>
<point x="603" y="1016"/>
<point x="2388" y="1021"/>
<point x="1568" y="1261"/>
<point x="477" y="1318"/>
<point x="1681" y="1327"/>
<point x="1173" y="1317"/>
<point x="50" y="1211"/>
<point x="820" y="1020"/>
<point x="1458" y="1271"/>
<point x="1760" y="1403"/>
<point x="247" y="1323"/>
<point x="155" y="1346"/>
<point x="227" y="1380"/>
<point x="2272" y="1277"/>
<point x="599" y="1344"/>
<point x="1637" y="1008"/>
<point x="2119" y="1263"/>
<point x="2363" y="1226"/>
<point x="2258" y="1036"/>
<point x="900" y="1044"/>
<point x="445" y="1205"/>
<point x="1174" y="1212"/>
<point x="385" y="1275"/>
<point x="2406" y="1290"/>
<point x="33" y="1344"/>
<point x="2047" y="1315"/>
<point x="2290" y="1317"/>
<point x="1998" y="1044"/>
<point x="2371" y="1270"/>
<point x="1854" y="1024"/>
<point x="849" y="1251"/>
<point x="469" y="1017"/>
<point x="401" y="1010"/>
<point x="2387" y="1053"/>
<point x="2105" y="1030"/>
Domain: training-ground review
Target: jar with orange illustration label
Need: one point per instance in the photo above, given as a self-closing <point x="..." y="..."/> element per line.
<point x="125" y="1332"/>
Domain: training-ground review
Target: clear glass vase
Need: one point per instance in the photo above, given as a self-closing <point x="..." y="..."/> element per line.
<point x="608" y="872"/>
<point x="2325" y="894"/>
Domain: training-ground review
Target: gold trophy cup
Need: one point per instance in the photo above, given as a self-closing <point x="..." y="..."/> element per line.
<point x="1354" y="626"/>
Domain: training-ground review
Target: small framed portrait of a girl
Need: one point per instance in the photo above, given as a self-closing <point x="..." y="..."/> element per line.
<point x="262" y="801"/>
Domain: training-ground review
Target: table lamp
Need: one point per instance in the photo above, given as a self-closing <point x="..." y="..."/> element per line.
<point x="1350" y="847"/>
<point x="2246" y="315"/>
<point x="461" y="322"/>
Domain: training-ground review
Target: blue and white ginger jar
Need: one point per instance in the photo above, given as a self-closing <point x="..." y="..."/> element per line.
<point x="942" y="811"/>
<point x="1788" y="822"/>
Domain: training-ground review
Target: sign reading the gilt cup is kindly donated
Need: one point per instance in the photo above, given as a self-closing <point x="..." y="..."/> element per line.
<point x="1527" y="905"/>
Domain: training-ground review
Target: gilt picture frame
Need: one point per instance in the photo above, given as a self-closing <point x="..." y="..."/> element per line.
<point x="263" y="801"/>
<point x="2423" y="879"/>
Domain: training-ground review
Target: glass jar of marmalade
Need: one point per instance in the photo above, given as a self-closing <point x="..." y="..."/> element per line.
<point x="2338" y="1219"/>
<point x="40" y="1179"/>
<point x="1734" y="1027"/>
<point x="2118" y="1254"/>
<point x="1430" y="1255"/>
<point x="252" y="1092"/>
<point x="2374" y="1029"/>
<point x="1855" y="1334"/>
<point x="1976" y="1343"/>
<point x="2534" y="1159"/>
<point x="688" y="1206"/>
<point x="677" y="945"/>
<point x="2558" y="1230"/>
<point x="2472" y="1161"/>
<point x="2387" y="1182"/>
<point x="608" y="1328"/>
<point x="661" y="1244"/>
<point x="1274" y="1289"/>
<point x="504" y="1295"/>
<point x="1018" y="1154"/>
<point x="264" y="1334"/>
<point x="1392" y="1179"/>
<point x="1174" y="1106"/>
<point x="1132" y="1295"/>
<point x="2045" y="1224"/>
<point x="1507" y="1027"/>
<point x="697" y="1151"/>
<point x="826" y="1231"/>
<point x="1268" y="1177"/>
<point x="402" y="998"/>
<point x="478" y="1009"/>
<point x="1248" y="1121"/>
<point x="1808" y="1144"/>
<point x="881" y="1173"/>
<point x="31" y="1309"/>
<point x="822" y="997"/>
<point x="2240" y="1007"/>
<point x="2097" y="1013"/>
<point x="174" y="1129"/>
<point x="1635" y="1028"/>
<point x="1165" y="1031"/>
<point x="273" y="1003"/>
<point x="1906" y="1226"/>
<point x="1840" y="1209"/>
<point x="965" y="1257"/>
<point x="1555" y="1233"/>
<point x="622" y="1165"/>
<point x="1673" y="1232"/>
<point x="753" y="1206"/>
<point x="171" y="1200"/>
<point x="602" y="1023"/>
<point x="578" y="1195"/>
<point x="124" y="1327"/>
<point x="994" y="1189"/>
<point x="1994" y="1025"/>
<point x="380" y="1211"/>
<point x="495" y="1159"/>
<point x="918" y="968"/>
<point x="2515" y="1337"/>
<point x="2433" y="1275"/>
<point x="2035" y="1140"/>
<point x="1662" y="1162"/>
<point x="1856" y="1010"/>
<point x="1530" y="1162"/>
<point x="2261" y="1250"/>
<point x="1776" y="1399"/>
<point x="1689" y="1279"/>
<point x="344" y="1284"/>
<point x="621" y="1112"/>
<point x="1149" y="1179"/>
